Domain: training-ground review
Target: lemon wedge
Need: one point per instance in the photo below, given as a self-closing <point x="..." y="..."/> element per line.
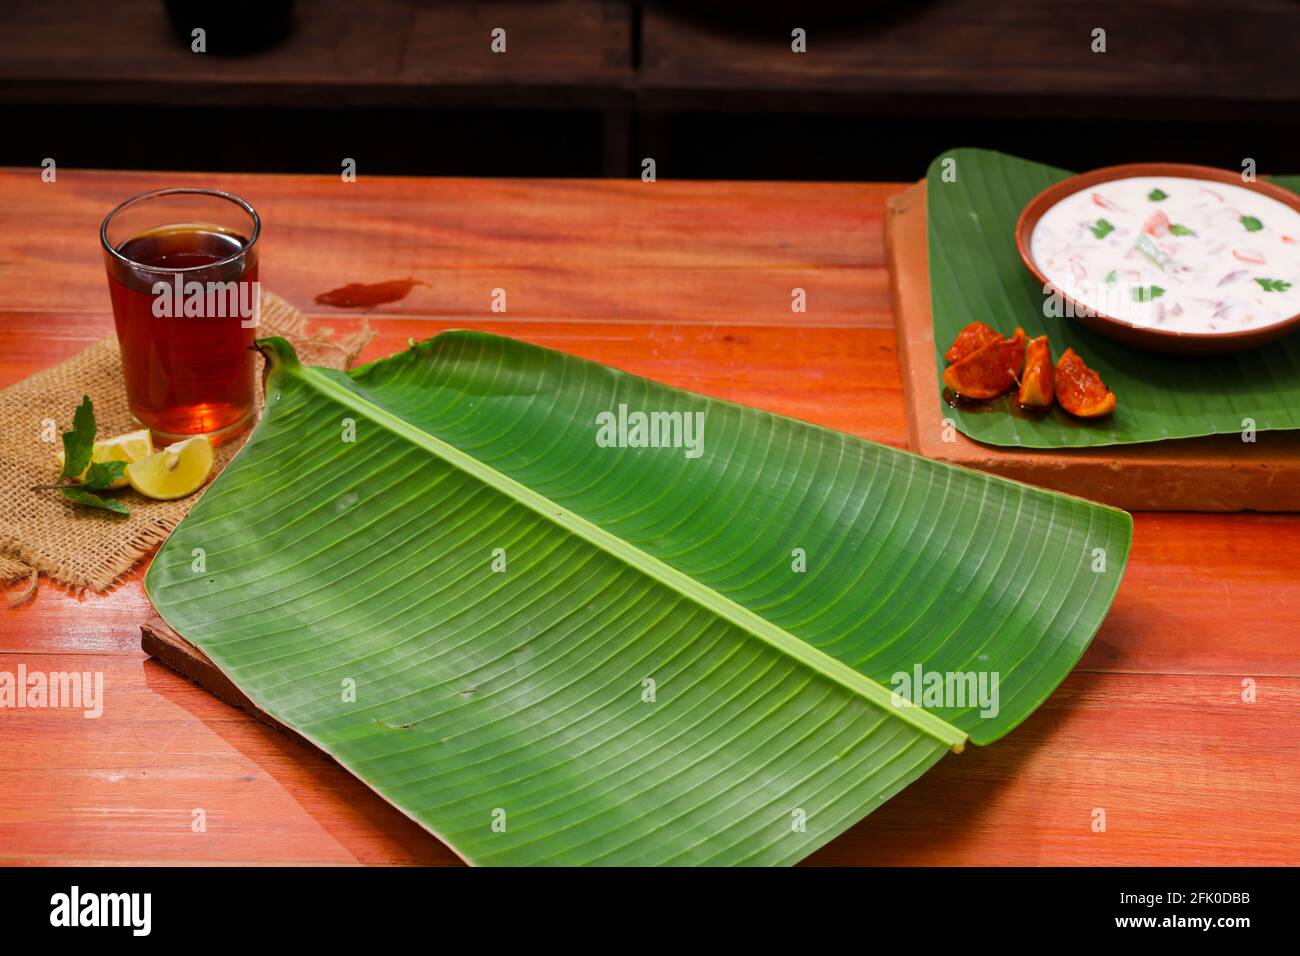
<point x="133" y="446"/>
<point x="176" y="471"/>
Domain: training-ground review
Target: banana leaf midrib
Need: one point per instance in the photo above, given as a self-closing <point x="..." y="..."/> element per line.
<point x="702" y="595"/>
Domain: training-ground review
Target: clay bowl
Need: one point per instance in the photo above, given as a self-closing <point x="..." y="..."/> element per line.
<point x="1158" y="340"/>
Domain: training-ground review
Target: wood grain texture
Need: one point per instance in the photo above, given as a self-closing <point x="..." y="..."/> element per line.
<point x="990" y="56"/>
<point x="563" y="53"/>
<point x="1000" y="56"/>
<point x="606" y="251"/>
<point x="1110" y="694"/>
<point x="1215" y="473"/>
<point x="167" y="647"/>
<point x="1150" y="726"/>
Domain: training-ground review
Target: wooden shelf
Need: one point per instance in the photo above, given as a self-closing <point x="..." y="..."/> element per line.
<point x="560" y="54"/>
<point x="1197" y="58"/>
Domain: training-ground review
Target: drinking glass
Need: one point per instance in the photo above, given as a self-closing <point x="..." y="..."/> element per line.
<point x="182" y="274"/>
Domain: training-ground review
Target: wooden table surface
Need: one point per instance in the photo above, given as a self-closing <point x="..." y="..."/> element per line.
<point x="688" y="283"/>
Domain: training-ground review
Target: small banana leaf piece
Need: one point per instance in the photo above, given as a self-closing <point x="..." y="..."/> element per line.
<point x="550" y="651"/>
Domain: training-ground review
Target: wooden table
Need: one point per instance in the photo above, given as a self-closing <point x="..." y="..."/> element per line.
<point x="688" y="283"/>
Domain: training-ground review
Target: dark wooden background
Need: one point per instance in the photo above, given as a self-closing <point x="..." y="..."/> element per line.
<point x="708" y="88"/>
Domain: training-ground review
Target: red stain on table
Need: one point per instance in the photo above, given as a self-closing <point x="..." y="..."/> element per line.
<point x="357" y="295"/>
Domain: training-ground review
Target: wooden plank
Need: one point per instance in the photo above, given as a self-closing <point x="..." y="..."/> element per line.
<point x="561" y="249"/>
<point x="1218" y="473"/>
<point x="844" y="378"/>
<point x="1186" y="773"/>
<point x="1095" y="717"/>
<point x="123" y="788"/>
<point x="566" y="54"/>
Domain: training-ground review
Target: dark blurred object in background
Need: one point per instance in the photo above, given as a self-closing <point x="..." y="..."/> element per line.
<point x="231" y="27"/>
<point x="708" y="88"/>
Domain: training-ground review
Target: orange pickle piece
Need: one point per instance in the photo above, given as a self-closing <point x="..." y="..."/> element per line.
<point x="1080" y="390"/>
<point x="990" y="370"/>
<point x="1036" y="385"/>
<point x="970" y="340"/>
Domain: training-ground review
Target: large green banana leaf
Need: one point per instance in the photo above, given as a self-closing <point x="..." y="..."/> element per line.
<point x="976" y="273"/>
<point x="686" y="659"/>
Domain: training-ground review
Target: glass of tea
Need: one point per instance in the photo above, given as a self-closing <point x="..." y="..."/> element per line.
<point x="182" y="273"/>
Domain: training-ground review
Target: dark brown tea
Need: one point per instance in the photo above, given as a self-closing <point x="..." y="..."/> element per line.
<point x="185" y="335"/>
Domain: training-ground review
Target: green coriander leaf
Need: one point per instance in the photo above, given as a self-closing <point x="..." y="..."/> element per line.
<point x="1251" y="223"/>
<point x="1101" y="228"/>
<point x="79" y="444"/>
<point x="103" y="473"/>
<point x="1178" y="230"/>
<point x="1111" y="277"/>
<point x="83" y="497"/>
<point x="1157" y="194"/>
<point x="1147" y="293"/>
<point x="1274" y="285"/>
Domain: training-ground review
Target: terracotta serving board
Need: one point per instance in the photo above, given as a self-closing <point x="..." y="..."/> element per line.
<point x="1218" y="473"/>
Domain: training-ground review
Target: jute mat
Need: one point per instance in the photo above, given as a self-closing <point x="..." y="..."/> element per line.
<point x="41" y="531"/>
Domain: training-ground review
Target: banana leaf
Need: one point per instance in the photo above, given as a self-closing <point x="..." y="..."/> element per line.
<point x="551" y="649"/>
<point x="976" y="273"/>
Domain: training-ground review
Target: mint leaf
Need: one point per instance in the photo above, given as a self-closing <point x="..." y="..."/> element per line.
<point x="1101" y="228"/>
<point x="1274" y="285"/>
<point x="83" y="497"/>
<point x="103" y="473"/>
<point x="1111" y="277"/>
<point x="1177" y="230"/>
<point x="79" y="444"/>
<point x="1251" y="223"/>
<point x="1157" y="194"/>
<point x="1147" y="293"/>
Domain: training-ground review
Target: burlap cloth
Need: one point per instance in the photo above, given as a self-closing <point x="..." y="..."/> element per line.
<point x="42" y="532"/>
